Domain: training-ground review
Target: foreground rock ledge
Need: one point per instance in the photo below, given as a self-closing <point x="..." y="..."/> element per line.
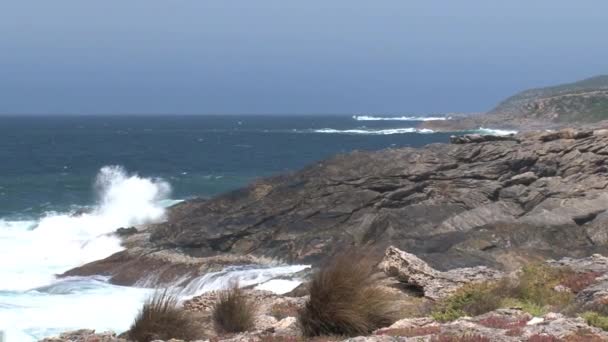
<point x="494" y="203"/>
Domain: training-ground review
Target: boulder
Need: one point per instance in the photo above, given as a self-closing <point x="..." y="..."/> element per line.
<point x="435" y="284"/>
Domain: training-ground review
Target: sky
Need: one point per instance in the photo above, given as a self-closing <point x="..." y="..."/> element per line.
<point x="290" y="57"/>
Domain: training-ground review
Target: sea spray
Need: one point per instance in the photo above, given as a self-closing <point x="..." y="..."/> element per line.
<point x="35" y="304"/>
<point x="33" y="252"/>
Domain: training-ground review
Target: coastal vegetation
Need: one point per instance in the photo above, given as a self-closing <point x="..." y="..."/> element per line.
<point x="233" y="312"/>
<point x="345" y="299"/>
<point x="162" y="319"/>
<point x="578" y="102"/>
<point x="537" y="289"/>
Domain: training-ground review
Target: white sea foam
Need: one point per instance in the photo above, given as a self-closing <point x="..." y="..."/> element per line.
<point x="32" y="252"/>
<point x="387" y="131"/>
<point x="489" y="131"/>
<point x="35" y="304"/>
<point x="246" y="276"/>
<point x="279" y="286"/>
<point x="399" y="118"/>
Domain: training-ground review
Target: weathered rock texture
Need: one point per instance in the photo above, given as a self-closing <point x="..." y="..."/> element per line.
<point x="493" y="203"/>
<point x="434" y="284"/>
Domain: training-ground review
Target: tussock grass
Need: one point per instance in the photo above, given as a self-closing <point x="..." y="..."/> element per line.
<point x="344" y="299"/>
<point x="162" y="319"/>
<point x="233" y="312"/>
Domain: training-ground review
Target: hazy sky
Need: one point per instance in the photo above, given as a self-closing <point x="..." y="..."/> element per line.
<point x="283" y="56"/>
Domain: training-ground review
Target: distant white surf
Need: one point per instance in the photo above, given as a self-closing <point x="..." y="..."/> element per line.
<point x="490" y="131"/>
<point x="399" y="118"/>
<point x="388" y="131"/>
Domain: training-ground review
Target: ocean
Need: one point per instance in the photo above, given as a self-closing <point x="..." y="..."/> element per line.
<point x="68" y="181"/>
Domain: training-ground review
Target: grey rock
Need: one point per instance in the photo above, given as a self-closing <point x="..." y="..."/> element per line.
<point x="496" y="203"/>
<point x="435" y="284"/>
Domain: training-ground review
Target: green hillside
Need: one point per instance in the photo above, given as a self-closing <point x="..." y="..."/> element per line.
<point x="583" y="101"/>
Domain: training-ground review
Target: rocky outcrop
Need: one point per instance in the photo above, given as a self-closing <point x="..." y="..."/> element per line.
<point x="494" y="203"/>
<point x="85" y="335"/>
<point x="434" y="284"/>
<point x="505" y="325"/>
<point x="479" y="138"/>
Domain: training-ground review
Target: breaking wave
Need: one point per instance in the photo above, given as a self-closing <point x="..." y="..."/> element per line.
<point x="399" y="118"/>
<point x="490" y="131"/>
<point x="388" y="131"/>
<point x="34" y="303"/>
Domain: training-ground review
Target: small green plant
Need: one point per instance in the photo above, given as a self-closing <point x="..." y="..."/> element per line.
<point x="534" y="291"/>
<point x="233" y="312"/>
<point x="537" y="283"/>
<point x="596" y="319"/>
<point x="344" y="299"/>
<point x="531" y="308"/>
<point x="162" y="319"/>
<point x="470" y="300"/>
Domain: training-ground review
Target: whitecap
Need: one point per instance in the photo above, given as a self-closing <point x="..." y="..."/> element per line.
<point x="399" y="118"/>
<point x="388" y="131"/>
<point x="490" y="131"/>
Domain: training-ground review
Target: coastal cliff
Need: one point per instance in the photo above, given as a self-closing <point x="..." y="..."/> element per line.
<point x="573" y="104"/>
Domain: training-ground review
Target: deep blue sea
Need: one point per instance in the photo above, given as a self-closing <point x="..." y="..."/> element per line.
<point x="50" y="163"/>
<point x="125" y="170"/>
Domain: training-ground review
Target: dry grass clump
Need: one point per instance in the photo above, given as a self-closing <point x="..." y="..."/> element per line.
<point x="344" y="299"/>
<point x="162" y="319"/>
<point x="233" y="312"/>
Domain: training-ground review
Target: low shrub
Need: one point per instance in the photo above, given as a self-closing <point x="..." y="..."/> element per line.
<point x="578" y="281"/>
<point x="162" y="319"/>
<point x="531" y="308"/>
<point x="537" y="284"/>
<point x="533" y="292"/>
<point x="596" y="319"/>
<point x="344" y="299"/>
<point x="233" y="312"/>
<point x="470" y="300"/>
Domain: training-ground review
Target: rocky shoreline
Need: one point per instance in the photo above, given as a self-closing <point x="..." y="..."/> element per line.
<point x="482" y="200"/>
<point x="276" y="315"/>
<point x="438" y="218"/>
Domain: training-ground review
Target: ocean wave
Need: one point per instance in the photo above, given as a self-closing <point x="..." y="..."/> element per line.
<point x="246" y="276"/>
<point x="490" y="131"/>
<point x="57" y="242"/>
<point x="388" y="131"/>
<point x="399" y="118"/>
